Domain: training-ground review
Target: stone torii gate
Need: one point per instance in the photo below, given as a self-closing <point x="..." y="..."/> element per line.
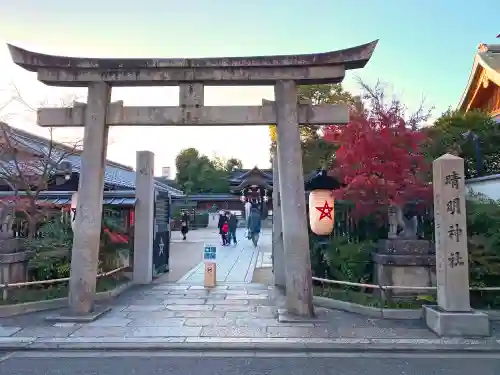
<point x="191" y="75"/>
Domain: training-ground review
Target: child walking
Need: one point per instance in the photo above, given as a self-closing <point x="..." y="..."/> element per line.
<point x="225" y="236"/>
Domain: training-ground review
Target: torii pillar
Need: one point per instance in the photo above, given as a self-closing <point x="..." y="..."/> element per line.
<point x="293" y="203"/>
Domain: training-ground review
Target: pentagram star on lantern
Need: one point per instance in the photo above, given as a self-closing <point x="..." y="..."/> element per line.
<point x="326" y="211"/>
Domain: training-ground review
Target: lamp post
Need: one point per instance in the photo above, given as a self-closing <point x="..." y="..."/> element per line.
<point x="474" y="138"/>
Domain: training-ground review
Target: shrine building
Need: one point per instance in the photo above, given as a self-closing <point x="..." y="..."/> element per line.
<point x="483" y="88"/>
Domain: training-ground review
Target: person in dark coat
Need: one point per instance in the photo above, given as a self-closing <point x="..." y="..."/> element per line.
<point x="233" y="225"/>
<point x="254" y="225"/>
<point x="184" y="225"/>
<point x="223" y="226"/>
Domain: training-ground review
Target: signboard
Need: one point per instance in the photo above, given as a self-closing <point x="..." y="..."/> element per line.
<point x="210" y="253"/>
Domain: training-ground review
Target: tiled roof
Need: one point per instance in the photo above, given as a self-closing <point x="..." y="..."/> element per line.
<point x="115" y="174"/>
<point x="238" y="174"/>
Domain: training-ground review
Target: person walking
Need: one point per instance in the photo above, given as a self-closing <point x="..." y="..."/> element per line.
<point x="233" y="225"/>
<point x="184" y="225"/>
<point x="223" y="227"/>
<point x="254" y="225"/>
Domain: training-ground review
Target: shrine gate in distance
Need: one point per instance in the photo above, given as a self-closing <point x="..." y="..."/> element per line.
<point x="290" y="234"/>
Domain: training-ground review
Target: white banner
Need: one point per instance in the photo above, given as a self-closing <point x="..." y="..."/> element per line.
<point x="74" y="204"/>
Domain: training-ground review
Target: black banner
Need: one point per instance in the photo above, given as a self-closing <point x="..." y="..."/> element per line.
<point x="161" y="253"/>
<point x="161" y="242"/>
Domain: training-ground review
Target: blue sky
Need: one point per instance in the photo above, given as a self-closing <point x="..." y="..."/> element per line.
<point x="426" y="49"/>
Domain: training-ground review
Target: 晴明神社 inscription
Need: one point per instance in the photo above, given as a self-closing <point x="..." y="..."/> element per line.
<point x="452" y="271"/>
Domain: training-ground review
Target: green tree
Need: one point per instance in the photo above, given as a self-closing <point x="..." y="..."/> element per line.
<point x="448" y="135"/>
<point x="232" y="164"/>
<point x="198" y="173"/>
<point x="316" y="152"/>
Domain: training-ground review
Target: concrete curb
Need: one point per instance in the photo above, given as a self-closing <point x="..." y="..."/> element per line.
<point x="372" y="312"/>
<point x="57" y="303"/>
<point x="382" y="313"/>
<point x="252" y="344"/>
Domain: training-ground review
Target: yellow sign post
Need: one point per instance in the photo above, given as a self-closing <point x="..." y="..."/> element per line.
<point x="210" y="259"/>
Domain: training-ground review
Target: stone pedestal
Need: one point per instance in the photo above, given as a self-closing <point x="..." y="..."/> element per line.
<point x="405" y="263"/>
<point x="456" y="324"/>
<point x="144" y="218"/>
<point x="453" y="315"/>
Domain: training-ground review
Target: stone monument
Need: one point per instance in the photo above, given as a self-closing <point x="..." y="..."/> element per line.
<point x="453" y="315"/>
<point x="404" y="259"/>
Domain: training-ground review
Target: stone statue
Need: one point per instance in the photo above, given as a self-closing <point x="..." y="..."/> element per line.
<point x="403" y="222"/>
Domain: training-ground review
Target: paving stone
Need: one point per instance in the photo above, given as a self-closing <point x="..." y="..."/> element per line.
<point x="190" y="307"/>
<point x="149" y="322"/>
<point x="188" y="293"/>
<point x="166" y="331"/>
<point x="66" y="325"/>
<point x="8" y="331"/>
<point x="117" y="309"/>
<point x="229" y="292"/>
<point x="171" y="287"/>
<point x="200" y="314"/>
<point x="240" y="302"/>
<point x="232" y="308"/>
<point x="109" y="322"/>
<point x="247" y="297"/>
<point x="46" y="332"/>
<point x="213" y="322"/>
<point x="201" y="287"/>
<point x="214" y="299"/>
<point x="266" y="310"/>
<point x="292" y="331"/>
<point x="233" y="331"/>
<point x="151" y="314"/>
<point x="152" y="301"/>
<point x="160" y="292"/>
<point x="264" y="323"/>
<point x="132" y="308"/>
<point x="184" y="301"/>
<point x="250" y="315"/>
<point x="87" y="331"/>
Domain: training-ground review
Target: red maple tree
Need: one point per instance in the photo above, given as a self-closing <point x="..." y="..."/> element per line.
<point x="379" y="160"/>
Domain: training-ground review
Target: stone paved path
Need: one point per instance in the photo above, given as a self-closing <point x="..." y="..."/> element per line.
<point x="235" y="263"/>
<point x="189" y="313"/>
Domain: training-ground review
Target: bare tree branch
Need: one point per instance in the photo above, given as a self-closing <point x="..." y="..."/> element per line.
<point x="375" y="97"/>
<point x="29" y="163"/>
